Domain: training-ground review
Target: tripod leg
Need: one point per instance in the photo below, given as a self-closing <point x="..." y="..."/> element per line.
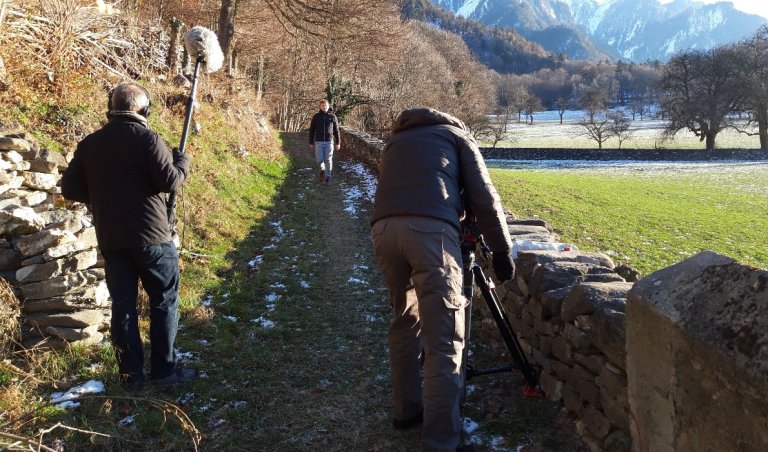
<point x="513" y="345"/>
<point x="468" y="293"/>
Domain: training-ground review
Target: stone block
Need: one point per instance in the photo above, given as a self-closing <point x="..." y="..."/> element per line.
<point x="545" y="327"/>
<point x="576" y="337"/>
<point x="552" y="300"/>
<point x="64" y="249"/>
<point x="14" y="144"/>
<point x="96" y="295"/>
<point x="551" y="385"/>
<point x="698" y="356"/>
<point x="16" y="221"/>
<point x="613" y="384"/>
<point x="615" y="411"/>
<point x="10" y="259"/>
<point x="74" y="334"/>
<point x="562" y="350"/>
<point x="583" y="381"/>
<point x="46" y="270"/>
<point x="71" y="220"/>
<point x="584" y="297"/>
<point x="606" y="330"/>
<point x="77" y="319"/>
<point x="596" y="422"/>
<point x="12" y="183"/>
<point x="571" y="399"/>
<point x="557" y="275"/>
<point x="561" y="369"/>
<point x="38" y="242"/>
<point x="39" y="181"/>
<point x="593" y="362"/>
<point x="61" y="284"/>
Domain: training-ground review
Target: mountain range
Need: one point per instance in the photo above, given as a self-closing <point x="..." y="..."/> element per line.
<point x="631" y="30"/>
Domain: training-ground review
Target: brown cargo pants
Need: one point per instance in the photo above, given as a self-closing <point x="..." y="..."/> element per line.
<point x="420" y="260"/>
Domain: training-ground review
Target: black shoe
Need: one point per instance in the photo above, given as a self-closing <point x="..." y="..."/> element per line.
<point x="321" y="176"/>
<point x="406" y="424"/>
<point x="327" y="180"/>
<point x="465" y="449"/>
<point x="178" y="375"/>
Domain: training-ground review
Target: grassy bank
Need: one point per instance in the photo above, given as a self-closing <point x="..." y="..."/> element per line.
<point x="648" y="220"/>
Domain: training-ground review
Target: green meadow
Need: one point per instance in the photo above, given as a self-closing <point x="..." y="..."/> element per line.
<point x="648" y="217"/>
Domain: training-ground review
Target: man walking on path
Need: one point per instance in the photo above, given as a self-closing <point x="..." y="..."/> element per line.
<point x="324" y="139"/>
<point x="429" y="168"/>
<point x="123" y="172"/>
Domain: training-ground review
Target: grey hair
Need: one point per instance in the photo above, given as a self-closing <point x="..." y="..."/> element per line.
<point x="129" y="97"/>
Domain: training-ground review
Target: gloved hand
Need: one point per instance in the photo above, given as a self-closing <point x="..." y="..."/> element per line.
<point x="175" y="152"/>
<point x="503" y="266"/>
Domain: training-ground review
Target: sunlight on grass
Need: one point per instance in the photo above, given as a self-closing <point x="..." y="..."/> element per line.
<point x="648" y="219"/>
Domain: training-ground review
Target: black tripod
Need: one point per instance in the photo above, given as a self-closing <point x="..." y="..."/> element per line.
<point x="473" y="274"/>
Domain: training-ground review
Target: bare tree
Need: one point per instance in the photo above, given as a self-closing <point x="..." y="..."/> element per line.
<point x="597" y="127"/>
<point x="620" y="126"/>
<point x="701" y="89"/>
<point x="755" y="80"/>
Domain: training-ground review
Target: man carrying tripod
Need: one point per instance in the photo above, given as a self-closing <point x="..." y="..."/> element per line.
<point x="429" y="168"/>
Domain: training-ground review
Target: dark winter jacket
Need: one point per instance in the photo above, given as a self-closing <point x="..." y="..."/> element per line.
<point x="429" y="166"/>
<point x="324" y="127"/>
<point x="123" y="172"/>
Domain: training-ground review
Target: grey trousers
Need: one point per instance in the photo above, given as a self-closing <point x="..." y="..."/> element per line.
<point x="420" y="260"/>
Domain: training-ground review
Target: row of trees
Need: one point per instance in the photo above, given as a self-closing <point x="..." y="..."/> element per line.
<point x="706" y="91"/>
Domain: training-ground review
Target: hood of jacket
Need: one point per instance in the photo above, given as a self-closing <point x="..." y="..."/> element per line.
<point x="420" y="117"/>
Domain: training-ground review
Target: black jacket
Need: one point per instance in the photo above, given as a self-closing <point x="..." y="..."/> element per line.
<point x="324" y="127"/>
<point x="430" y="167"/>
<point x="123" y="171"/>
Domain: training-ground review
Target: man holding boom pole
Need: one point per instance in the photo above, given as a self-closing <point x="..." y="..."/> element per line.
<point x="124" y="172"/>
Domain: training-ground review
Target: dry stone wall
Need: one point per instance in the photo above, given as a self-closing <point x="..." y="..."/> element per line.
<point x="48" y="249"/>
<point x="677" y="361"/>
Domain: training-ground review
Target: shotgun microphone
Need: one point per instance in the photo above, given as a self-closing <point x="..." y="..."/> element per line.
<point x="202" y="44"/>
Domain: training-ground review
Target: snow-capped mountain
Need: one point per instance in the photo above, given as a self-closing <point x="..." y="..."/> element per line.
<point x="636" y="30"/>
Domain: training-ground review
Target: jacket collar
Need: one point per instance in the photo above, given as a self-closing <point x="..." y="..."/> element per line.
<point x="126" y="116"/>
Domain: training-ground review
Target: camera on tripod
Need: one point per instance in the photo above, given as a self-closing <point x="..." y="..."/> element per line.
<point x="473" y="274"/>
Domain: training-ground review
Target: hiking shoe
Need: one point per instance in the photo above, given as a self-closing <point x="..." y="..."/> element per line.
<point x="327" y="180"/>
<point x="178" y="375"/>
<point x="321" y="176"/>
<point x="406" y="424"/>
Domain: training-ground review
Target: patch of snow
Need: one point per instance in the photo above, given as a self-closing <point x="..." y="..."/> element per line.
<point x="65" y="400"/>
<point x="353" y="280"/>
<point x="126" y="420"/>
<point x="304" y="284"/>
<point x="231" y="318"/>
<point x="264" y="322"/>
<point x="256" y="261"/>
<point x="272" y="297"/>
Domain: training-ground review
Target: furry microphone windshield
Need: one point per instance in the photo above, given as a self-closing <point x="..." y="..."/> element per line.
<point x="202" y="43"/>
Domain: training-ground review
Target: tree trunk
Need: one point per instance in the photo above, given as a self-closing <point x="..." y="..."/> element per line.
<point x="710" y="140"/>
<point x="173" y="50"/>
<point x="260" y="78"/>
<point x="762" y="127"/>
<point x="227" y="30"/>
